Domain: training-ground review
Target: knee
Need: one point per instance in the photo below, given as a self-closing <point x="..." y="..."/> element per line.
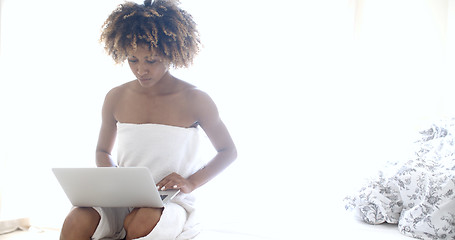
<point x="80" y="223"/>
<point x="136" y="231"/>
<point x="141" y="222"/>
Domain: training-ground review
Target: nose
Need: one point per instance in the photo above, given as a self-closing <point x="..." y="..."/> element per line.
<point x="141" y="70"/>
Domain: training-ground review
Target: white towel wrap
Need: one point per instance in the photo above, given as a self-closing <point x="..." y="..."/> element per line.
<point x="163" y="149"/>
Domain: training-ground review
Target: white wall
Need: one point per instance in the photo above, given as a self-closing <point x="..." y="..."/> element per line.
<point x="312" y="106"/>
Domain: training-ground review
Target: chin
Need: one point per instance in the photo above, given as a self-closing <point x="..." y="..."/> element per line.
<point x="146" y="83"/>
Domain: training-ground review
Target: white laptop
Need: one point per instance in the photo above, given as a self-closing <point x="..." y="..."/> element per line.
<point x="112" y="187"/>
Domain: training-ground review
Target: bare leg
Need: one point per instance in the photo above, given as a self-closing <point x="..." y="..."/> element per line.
<point x="141" y="221"/>
<point x="80" y="224"/>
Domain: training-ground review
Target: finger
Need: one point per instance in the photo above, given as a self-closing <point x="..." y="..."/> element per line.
<point x="162" y="184"/>
<point x="167" y="184"/>
<point x="172" y="181"/>
<point x="163" y="187"/>
<point x="173" y="184"/>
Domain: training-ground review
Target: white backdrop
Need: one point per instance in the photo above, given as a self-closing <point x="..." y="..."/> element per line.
<point x="317" y="95"/>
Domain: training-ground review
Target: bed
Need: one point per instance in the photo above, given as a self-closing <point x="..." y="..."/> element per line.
<point x="345" y="226"/>
<point x="318" y="211"/>
<point x="329" y="221"/>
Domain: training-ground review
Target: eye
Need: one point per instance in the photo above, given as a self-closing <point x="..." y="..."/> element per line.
<point x="151" y="61"/>
<point x="132" y="60"/>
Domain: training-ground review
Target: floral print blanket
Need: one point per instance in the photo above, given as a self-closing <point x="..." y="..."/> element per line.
<point x="418" y="194"/>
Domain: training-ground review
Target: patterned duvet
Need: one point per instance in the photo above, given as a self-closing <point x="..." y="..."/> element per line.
<point x="418" y="194"/>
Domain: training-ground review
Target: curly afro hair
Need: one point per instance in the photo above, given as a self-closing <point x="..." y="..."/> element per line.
<point x="168" y="30"/>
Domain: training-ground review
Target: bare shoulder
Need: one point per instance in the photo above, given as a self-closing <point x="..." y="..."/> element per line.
<point x="112" y="98"/>
<point x="116" y="92"/>
<point x="202" y="105"/>
<point x="198" y="98"/>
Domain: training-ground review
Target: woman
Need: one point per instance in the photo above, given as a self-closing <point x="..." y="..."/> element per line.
<point x="155" y="119"/>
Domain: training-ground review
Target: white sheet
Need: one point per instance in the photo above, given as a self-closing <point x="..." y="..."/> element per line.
<point x="344" y="227"/>
<point x="329" y="221"/>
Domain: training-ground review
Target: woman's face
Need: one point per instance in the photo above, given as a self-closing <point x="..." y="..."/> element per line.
<point x="148" y="67"/>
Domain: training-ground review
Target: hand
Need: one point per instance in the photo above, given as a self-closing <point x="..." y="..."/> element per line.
<point x="175" y="181"/>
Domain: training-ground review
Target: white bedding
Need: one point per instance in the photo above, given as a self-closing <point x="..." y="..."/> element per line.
<point x="345" y="228"/>
<point x="317" y="211"/>
<point x="11" y="225"/>
<point x="417" y="194"/>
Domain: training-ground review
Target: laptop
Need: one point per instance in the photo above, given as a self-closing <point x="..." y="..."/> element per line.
<point x="112" y="187"/>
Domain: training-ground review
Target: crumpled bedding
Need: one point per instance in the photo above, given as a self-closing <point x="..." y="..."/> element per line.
<point x="417" y="194"/>
<point x="11" y="225"/>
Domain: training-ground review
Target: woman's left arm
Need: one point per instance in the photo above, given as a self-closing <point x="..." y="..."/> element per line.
<point x="208" y="118"/>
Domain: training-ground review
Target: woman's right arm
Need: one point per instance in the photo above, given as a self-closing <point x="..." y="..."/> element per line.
<point x="107" y="134"/>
